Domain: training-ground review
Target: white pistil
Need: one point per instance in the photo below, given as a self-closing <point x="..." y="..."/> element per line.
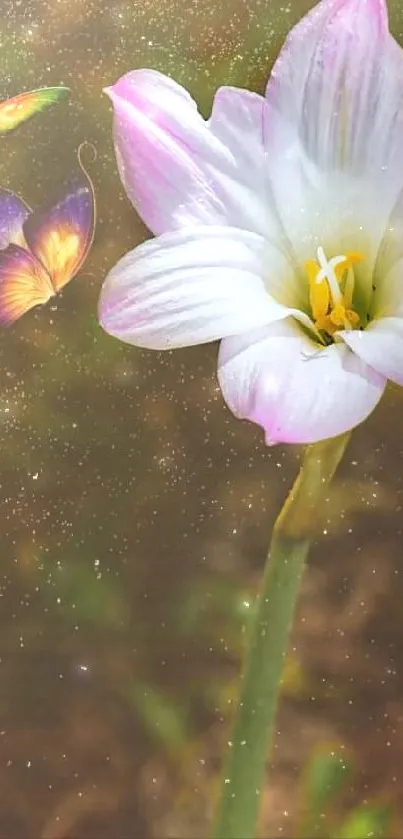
<point x="328" y="273"/>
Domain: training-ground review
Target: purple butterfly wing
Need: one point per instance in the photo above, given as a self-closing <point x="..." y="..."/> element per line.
<point x="13" y="213"/>
<point x="61" y="236"/>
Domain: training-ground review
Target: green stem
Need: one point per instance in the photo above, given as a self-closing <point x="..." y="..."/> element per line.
<point x="244" y="768"/>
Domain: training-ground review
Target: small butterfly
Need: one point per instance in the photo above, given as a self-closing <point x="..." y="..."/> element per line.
<point x="19" y="108"/>
<point x="42" y="250"/>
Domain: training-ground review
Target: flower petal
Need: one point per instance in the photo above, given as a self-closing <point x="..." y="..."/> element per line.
<point x="333" y="129"/>
<point x="330" y="85"/>
<point x="387" y="288"/>
<point x="381" y="346"/>
<point x="278" y="378"/>
<point x="190" y="287"/>
<point x="389" y="260"/>
<point x="179" y="169"/>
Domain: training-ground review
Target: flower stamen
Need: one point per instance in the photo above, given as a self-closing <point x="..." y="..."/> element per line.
<point x="331" y="301"/>
<point x="328" y="273"/>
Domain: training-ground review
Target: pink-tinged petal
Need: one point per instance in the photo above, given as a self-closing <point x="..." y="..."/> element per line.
<point x="13" y="213"/>
<point x="277" y="378"/>
<point x="190" y="287"/>
<point x="331" y="89"/>
<point x="381" y="346"/>
<point x="334" y="127"/>
<point x="179" y="170"/>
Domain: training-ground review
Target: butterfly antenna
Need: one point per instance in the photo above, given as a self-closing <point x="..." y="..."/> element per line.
<point x="86" y="145"/>
<point x="83" y="147"/>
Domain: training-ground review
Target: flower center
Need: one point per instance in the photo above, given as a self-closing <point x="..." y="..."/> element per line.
<point x="331" y="289"/>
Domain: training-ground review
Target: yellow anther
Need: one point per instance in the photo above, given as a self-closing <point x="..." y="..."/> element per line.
<point x="351" y="258"/>
<point x="330" y="302"/>
<point x="319" y="294"/>
<point x="343" y="317"/>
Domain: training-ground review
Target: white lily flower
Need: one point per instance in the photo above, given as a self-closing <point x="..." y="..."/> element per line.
<point x="279" y="225"/>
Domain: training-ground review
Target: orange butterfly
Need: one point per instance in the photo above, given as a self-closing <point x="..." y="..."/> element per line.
<point x="42" y="250"/>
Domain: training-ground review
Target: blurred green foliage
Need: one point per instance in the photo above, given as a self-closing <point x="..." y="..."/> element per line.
<point x="326" y="774"/>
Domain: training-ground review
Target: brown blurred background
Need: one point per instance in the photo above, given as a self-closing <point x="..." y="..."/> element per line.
<point x="135" y="510"/>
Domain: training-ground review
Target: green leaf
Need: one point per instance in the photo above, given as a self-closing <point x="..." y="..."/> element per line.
<point x="205" y="603"/>
<point x="90" y="598"/>
<point x="366" y="822"/>
<point x="165" y="720"/>
<point x="326" y="773"/>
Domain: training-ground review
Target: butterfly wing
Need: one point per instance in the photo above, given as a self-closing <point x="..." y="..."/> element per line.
<point x="19" y="108"/>
<point x="13" y="213"/>
<point x="62" y="236"/>
<point x="24" y="283"/>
